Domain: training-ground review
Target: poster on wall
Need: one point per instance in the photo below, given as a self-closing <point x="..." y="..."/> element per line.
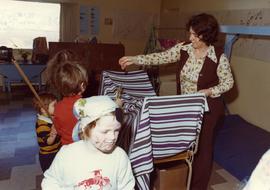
<point x="89" y="20"/>
<point x="84" y="20"/>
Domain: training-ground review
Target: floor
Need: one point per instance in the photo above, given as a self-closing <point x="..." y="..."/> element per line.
<point x="19" y="166"/>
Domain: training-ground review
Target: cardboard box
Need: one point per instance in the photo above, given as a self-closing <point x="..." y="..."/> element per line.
<point x="172" y="177"/>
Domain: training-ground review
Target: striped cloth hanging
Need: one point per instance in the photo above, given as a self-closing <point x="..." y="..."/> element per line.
<point x="132" y="110"/>
<point x="135" y="86"/>
<point x="168" y="125"/>
<point x="133" y="83"/>
<point x="161" y="126"/>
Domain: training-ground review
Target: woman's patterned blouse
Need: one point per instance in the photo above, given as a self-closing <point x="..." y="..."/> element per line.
<point x="190" y="72"/>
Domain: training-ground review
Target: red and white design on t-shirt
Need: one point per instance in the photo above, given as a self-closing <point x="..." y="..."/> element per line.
<point x="97" y="182"/>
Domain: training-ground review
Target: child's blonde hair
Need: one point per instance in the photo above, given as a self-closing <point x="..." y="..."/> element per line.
<point x="85" y="134"/>
<point x="46" y="99"/>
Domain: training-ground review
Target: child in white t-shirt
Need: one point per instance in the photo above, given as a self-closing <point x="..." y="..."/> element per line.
<point x="94" y="162"/>
<point x="260" y="177"/>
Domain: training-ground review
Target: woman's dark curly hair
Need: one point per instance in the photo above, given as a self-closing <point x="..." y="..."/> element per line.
<point x="206" y="26"/>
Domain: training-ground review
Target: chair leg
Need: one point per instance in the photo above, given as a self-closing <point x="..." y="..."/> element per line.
<point x="39" y="83"/>
<point x="4" y="84"/>
<point x="189" y="163"/>
<point x="4" y="87"/>
<point x="9" y="86"/>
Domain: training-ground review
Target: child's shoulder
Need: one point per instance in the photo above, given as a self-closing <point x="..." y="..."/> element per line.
<point x="68" y="100"/>
<point x="65" y="105"/>
<point x="119" y="152"/>
<point x="43" y="120"/>
<point x="73" y="149"/>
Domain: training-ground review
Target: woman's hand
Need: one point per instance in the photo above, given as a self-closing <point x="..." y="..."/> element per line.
<point x="207" y="92"/>
<point x="127" y="60"/>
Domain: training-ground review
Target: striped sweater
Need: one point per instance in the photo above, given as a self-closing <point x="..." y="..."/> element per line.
<point x="43" y="129"/>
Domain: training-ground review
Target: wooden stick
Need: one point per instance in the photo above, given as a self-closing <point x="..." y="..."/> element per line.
<point x="25" y="78"/>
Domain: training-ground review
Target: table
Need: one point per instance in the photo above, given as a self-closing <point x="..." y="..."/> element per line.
<point x="11" y="75"/>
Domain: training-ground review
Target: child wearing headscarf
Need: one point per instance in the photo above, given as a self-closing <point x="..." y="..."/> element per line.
<point x="94" y="162"/>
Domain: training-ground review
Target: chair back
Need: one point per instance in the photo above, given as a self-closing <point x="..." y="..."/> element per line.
<point x="40" y="52"/>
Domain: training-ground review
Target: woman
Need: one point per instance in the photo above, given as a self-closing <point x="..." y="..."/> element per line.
<point x="203" y="68"/>
<point x="94" y="162"/>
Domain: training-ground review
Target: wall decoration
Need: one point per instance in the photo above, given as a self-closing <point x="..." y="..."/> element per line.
<point x="94" y="20"/>
<point x="84" y="20"/>
<point x="89" y="20"/>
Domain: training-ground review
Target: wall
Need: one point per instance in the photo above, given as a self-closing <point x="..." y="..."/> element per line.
<point x="253" y="86"/>
<point x="209" y="5"/>
<point x="109" y="9"/>
<point x="250" y="97"/>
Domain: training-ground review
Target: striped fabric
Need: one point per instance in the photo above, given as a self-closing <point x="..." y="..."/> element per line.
<point x="133" y="83"/>
<point x="135" y="86"/>
<point x="168" y="125"/>
<point x="161" y="126"/>
<point x="132" y="110"/>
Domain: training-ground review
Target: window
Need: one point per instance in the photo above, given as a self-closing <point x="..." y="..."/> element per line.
<point x="21" y="22"/>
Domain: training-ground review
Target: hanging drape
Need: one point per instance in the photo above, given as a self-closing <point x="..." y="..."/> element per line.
<point x="69" y="22"/>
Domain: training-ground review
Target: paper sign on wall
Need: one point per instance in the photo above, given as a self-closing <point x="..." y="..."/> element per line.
<point x="89" y="20"/>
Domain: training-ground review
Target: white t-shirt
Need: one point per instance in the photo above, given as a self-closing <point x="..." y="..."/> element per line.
<point x="77" y="167"/>
<point x="260" y="177"/>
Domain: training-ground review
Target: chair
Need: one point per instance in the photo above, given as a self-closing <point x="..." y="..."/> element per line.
<point x="40" y="53"/>
<point x="187" y="156"/>
<point x="168" y="130"/>
<point x="156" y="120"/>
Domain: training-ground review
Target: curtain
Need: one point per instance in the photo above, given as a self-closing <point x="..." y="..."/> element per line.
<point x="69" y="22"/>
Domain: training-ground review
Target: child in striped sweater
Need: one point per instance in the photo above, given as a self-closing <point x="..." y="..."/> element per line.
<point x="48" y="140"/>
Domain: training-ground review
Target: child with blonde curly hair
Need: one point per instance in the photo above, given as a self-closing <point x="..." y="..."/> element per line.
<point x="48" y="140"/>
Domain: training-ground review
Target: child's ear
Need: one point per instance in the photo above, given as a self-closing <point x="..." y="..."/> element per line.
<point x="83" y="87"/>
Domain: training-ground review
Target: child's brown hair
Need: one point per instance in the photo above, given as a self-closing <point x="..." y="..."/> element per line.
<point x="66" y="74"/>
<point x="46" y="99"/>
<point x="70" y="78"/>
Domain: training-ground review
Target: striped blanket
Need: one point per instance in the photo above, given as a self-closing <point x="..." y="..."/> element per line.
<point x="168" y="125"/>
<point x="133" y="83"/>
<point x="161" y="126"/>
<point x="135" y="86"/>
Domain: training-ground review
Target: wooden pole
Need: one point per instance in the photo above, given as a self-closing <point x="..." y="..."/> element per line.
<point x="25" y="78"/>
